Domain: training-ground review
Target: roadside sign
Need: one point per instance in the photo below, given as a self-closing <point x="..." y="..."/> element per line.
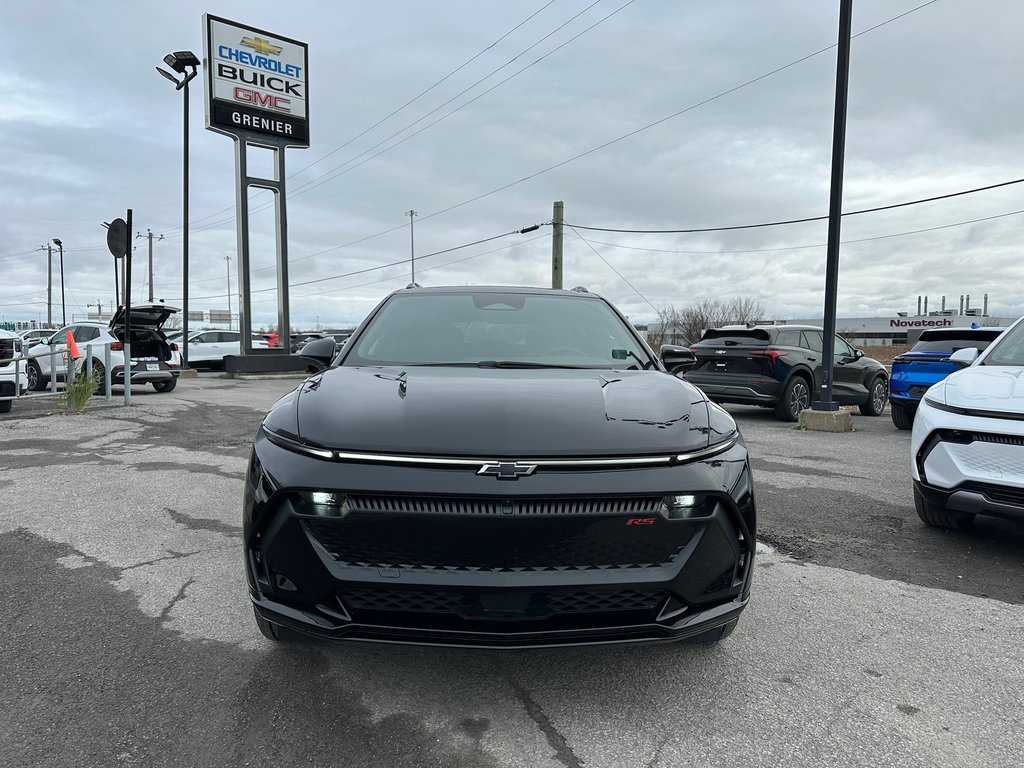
<point x="117" y="238"/>
<point x="255" y="82"/>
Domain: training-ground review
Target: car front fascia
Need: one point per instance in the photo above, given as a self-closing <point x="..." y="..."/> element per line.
<point x="276" y="471"/>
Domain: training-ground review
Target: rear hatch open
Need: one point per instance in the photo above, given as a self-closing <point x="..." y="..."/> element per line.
<point x="734" y="351"/>
<point x="149" y="345"/>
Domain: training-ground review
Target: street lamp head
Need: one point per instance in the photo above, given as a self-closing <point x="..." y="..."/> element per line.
<point x="180" y="60"/>
<point x="57" y="242"/>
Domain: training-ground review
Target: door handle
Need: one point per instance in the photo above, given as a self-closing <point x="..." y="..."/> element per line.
<point x="812" y="359"/>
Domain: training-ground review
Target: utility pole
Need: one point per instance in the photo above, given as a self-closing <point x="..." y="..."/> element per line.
<point x="412" y="243"/>
<point x="49" y="286"/>
<point x="227" y="262"/>
<point x="149" y="236"/>
<point x="556" y="244"/>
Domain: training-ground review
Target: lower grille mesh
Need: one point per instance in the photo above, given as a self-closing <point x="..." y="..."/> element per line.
<point x="472" y="605"/>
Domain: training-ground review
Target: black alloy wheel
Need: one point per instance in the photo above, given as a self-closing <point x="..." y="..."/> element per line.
<point x="796" y="397"/>
<point x="877" y="394"/>
<point x="36" y="382"/>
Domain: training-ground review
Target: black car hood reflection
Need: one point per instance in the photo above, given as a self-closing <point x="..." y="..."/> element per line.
<point x="499" y="413"/>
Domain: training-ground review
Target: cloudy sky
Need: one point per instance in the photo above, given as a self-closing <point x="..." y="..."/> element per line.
<point x="89" y="129"/>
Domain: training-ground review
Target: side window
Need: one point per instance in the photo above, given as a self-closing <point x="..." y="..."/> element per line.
<point x="86" y="333"/>
<point x="204" y="338"/>
<point x="788" y="339"/>
<point x="229" y="336"/>
<point x="842" y="349"/>
<point x="811" y="340"/>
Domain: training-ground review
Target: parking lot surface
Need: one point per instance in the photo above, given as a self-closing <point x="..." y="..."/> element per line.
<point x="871" y="640"/>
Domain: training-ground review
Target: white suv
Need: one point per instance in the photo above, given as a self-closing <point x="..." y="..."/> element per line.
<point x="967" y="448"/>
<point x="10" y="385"/>
<point x="152" y="362"/>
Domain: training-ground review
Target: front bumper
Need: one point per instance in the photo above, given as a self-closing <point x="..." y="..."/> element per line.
<point x="537" y="576"/>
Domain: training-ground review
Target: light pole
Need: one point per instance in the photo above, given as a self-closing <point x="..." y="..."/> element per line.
<point x="227" y="262"/>
<point x="63" y="308"/>
<point x="180" y="61"/>
<point x="412" y="244"/>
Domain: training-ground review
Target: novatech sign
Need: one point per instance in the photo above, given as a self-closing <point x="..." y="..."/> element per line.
<point x="255" y="82"/>
<point x="943" y="323"/>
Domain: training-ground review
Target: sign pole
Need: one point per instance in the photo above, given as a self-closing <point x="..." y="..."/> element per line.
<point x="128" y="316"/>
<point x="835" y="211"/>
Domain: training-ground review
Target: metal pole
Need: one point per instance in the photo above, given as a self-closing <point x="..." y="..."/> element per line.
<point x="556" y="244"/>
<point x="283" y="306"/>
<point x="184" y="240"/>
<point x="117" y="287"/>
<point x="412" y="243"/>
<point x="227" y="263"/>
<point x="49" y="286"/>
<point x="242" y="233"/>
<point x="149" y="234"/>
<point x="106" y="372"/>
<point x="63" y="307"/>
<point x="835" y="209"/>
<point x="128" y="317"/>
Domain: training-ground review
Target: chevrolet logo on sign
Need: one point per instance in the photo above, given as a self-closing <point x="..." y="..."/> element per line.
<point x="260" y="45"/>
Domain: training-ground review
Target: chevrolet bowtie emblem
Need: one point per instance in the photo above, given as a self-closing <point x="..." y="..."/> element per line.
<point x="260" y="45"/>
<point x="507" y="470"/>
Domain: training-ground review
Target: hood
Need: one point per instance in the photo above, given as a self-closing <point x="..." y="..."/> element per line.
<point x="499" y="413"/>
<point x="144" y="316"/>
<point x="983" y="388"/>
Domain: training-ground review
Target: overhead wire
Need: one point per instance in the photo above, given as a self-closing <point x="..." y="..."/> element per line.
<point x="613" y="269"/>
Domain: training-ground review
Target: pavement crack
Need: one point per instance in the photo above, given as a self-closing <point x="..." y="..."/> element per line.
<point x="563" y="750"/>
<point x="177" y="598"/>
<point x="656" y="757"/>
<point x="173" y="556"/>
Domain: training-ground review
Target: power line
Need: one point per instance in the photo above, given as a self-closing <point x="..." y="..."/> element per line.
<point x="613" y="269"/>
<point x="804" y="220"/>
<point x="813" y="245"/>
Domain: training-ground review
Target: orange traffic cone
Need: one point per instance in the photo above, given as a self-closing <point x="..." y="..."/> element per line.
<point x="73" y="348"/>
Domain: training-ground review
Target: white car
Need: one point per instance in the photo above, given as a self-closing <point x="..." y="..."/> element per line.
<point x="207" y="349"/>
<point x="967" y="447"/>
<point x="11" y="346"/>
<point x="152" y="360"/>
<point x="36" y="335"/>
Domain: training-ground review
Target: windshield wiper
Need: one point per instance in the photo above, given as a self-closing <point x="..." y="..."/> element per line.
<point x="524" y="364"/>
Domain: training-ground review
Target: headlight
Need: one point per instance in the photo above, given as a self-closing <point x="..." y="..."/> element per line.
<point x="322" y="504"/>
<point x="687" y="506"/>
<point x="712" y="450"/>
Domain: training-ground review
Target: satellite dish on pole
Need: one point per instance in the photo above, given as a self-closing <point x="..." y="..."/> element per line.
<point x="117" y="238"/>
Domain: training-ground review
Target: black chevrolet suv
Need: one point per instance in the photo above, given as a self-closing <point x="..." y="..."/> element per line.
<point x="497" y="467"/>
<point x="779" y="366"/>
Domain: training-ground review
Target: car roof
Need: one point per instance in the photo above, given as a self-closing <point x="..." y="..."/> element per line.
<point x="577" y="292"/>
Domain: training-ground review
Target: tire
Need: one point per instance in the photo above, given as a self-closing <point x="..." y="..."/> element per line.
<point x="877" y="394"/>
<point x="274" y="632"/>
<point x="795" y="397"/>
<point x="902" y="416"/>
<point x="5" y="406"/>
<point x="165" y="386"/>
<point x="939" y="517"/>
<point x="36" y="382"/>
<point x="714" y="635"/>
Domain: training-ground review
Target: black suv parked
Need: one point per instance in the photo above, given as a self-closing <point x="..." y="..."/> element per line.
<point x="779" y="366"/>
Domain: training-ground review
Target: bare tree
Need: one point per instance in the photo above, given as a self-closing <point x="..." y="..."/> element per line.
<point x="686" y="325"/>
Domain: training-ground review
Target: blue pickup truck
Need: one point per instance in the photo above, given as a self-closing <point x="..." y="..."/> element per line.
<point x="928" y="363"/>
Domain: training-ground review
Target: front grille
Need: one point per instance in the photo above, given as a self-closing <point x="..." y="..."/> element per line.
<point x="499" y="542"/>
<point x="9" y="349"/>
<point x="522" y="604"/>
<point x="987" y="437"/>
<point x="487" y="507"/>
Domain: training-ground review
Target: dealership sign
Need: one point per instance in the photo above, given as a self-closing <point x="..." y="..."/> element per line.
<point x="256" y="82"/>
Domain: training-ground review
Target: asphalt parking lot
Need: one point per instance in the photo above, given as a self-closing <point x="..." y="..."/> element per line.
<point x="871" y="640"/>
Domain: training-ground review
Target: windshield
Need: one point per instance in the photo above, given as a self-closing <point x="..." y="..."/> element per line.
<point x="1008" y="349"/>
<point x="507" y="329"/>
<point x="952" y="341"/>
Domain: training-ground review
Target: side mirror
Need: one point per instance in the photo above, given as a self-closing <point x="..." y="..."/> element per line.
<point x="319" y="353"/>
<point x="858" y="354"/>
<point x="677" y="359"/>
<point x="964" y="357"/>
